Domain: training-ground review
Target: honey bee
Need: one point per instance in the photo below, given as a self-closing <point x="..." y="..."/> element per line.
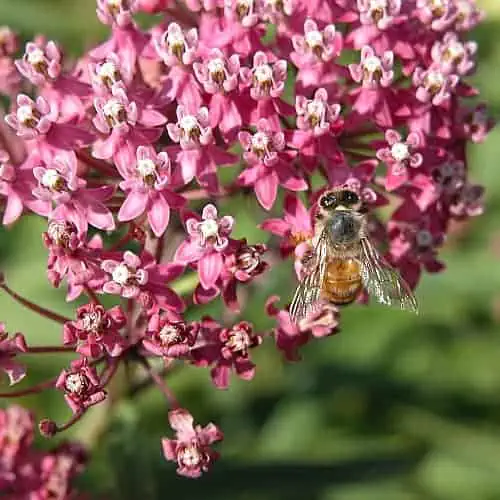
<point x="343" y="261"/>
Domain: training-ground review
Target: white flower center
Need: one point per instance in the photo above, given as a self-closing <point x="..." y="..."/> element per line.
<point x="314" y="38"/>
<point x="372" y="64"/>
<point x="434" y="80"/>
<point x="51" y="179"/>
<point x="263" y="73"/>
<point x="455" y="51"/>
<point x="400" y="151"/>
<point x="216" y="65"/>
<point x="92" y="321"/>
<point x="113" y="109"/>
<point x="169" y="334"/>
<point x="209" y="229"/>
<point x="25" y="114"/>
<point x="146" y="167"/>
<point x="239" y="341"/>
<point x="316" y="108"/>
<point x="75" y="382"/>
<point x="108" y="70"/>
<point x="176" y="42"/>
<point x="189" y="123"/>
<point x="424" y="238"/>
<point x="378" y="4"/>
<point x="121" y="274"/>
<point x="190" y="456"/>
<point x="35" y="57"/>
<point x="260" y="141"/>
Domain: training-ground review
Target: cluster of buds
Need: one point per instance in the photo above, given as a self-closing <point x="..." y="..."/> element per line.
<point x="131" y="140"/>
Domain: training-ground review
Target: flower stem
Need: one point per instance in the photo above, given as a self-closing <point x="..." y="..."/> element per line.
<point x="157" y="379"/>
<point x="42" y="386"/>
<point x="46" y="313"/>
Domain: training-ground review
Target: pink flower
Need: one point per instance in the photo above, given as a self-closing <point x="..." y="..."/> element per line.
<point x="289" y="336"/>
<point x="191" y="446"/>
<point x="96" y="331"/>
<point x="140" y="277"/>
<point x="373" y="70"/>
<point x="9" y="347"/>
<point x="378" y="12"/>
<point x="81" y="385"/>
<point x="123" y="123"/>
<point x="317" y="45"/>
<point x="149" y="187"/>
<point x="269" y="165"/>
<point x="208" y="238"/>
<point x="242" y="264"/>
<point x="168" y="335"/>
<point x="40" y="62"/>
<point x="16" y="437"/>
<point x="453" y="55"/>
<point x="433" y="85"/>
<point x="217" y="73"/>
<point x="316" y="114"/>
<point x="8" y="41"/>
<point x="107" y="73"/>
<point x="117" y="12"/>
<point x="59" y="185"/>
<point x="438" y="15"/>
<point x="32" y="118"/>
<point x="198" y="156"/>
<point x="265" y="79"/>
<point x="399" y="156"/>
<point x="176" y="46"/>
<point x="294" y="228"/>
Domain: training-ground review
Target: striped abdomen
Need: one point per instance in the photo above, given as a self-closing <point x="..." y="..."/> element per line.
<point x="342" y="282"/>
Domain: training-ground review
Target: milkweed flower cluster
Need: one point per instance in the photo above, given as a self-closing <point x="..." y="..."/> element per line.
<point x="132" y="139"/>
<point x="26" y="472"/>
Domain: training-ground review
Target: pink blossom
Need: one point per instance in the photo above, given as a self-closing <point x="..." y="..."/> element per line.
<point x="317" y="45"/>
<point x="96" y="331"/>
<point x="468" y="15"/>
<point x="81" y="385"/>
<point x="149" y="187"/>
<point x="265" y="79"/>
<point x="242" y="264"/>
<point x="378" y="12"/>
<point x="123" y="123"/>
<point x="9" y="347"/>
<point x="208" y="238"/>
<point x="168" y="335"/>
<point x="40" y="62"/>
<point x="453" y="55"/>
<point x="59" y="185"/>
<point x="399" y="156"/>
<point x="116" y="11"/>
<point x="294" y="228"/>
<point x="269" y="164"/>
<point x="289" y="336"/>
<point x="8" y="41"/>
<point x="140" y="277"/>
<point x="197" y="156"/>
<point x="108" y="72"/>
<point x="316" y="114"/>
<point x="176" y="46"/>
<point x="16" y="437"/>
<point x="433" y="85"/>
<point x="32" y="118"/>
<point x="437" y="14"/>
<point x="373" y="70"/>
<point x="191" y="446"/>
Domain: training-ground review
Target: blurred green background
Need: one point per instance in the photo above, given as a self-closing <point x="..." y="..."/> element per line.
<point x="395" y="407"/>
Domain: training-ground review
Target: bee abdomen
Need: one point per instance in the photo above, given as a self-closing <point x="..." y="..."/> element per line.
<point x="342" y="282"/>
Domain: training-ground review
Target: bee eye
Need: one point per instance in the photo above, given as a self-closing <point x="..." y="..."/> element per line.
<point x="328" y="200"/>
<point x="349" y="197"/>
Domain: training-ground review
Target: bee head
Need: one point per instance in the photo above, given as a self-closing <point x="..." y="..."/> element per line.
<point x="339" y="199"/>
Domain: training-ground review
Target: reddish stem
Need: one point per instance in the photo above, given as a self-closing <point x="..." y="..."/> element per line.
<point x="172" y="400"/>
<point x="92" y="296"/>
<point x="58" y="318"/>
<point x="48" y="349"/>
<point x="100" y="165"/>
<point x="42" y="386"/>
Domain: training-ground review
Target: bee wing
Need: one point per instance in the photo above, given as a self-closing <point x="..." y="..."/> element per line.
<point x="383" y="282"/>
<point x="308" y="292"/>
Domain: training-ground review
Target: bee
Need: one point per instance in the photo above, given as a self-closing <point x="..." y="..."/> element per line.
<point x="343" y="261"/>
